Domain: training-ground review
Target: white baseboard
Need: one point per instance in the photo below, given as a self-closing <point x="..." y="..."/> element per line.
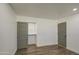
<point x="73" y="50"/>
<point x="8" y="53"/>
<point x="4" y="53"/>
<point x="45" y="45"/>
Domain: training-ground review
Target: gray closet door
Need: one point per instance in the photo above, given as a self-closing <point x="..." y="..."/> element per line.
<point x="62" y="34"/>
<point x="22" y="35"/>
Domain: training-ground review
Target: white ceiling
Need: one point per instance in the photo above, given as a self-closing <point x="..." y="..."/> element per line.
<point x="45" y="10"/>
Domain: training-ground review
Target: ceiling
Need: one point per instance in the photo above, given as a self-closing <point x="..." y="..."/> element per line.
<point x="45" y="10"/>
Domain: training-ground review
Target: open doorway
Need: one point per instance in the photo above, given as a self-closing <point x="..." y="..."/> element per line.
<point x="62" y="34"/>
<point x="32" y="34"/>
<point x="26" y="34"/>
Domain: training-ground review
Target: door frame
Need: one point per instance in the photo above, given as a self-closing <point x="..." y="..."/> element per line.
<point x="65" y="34"/>
<point x="17" y="35"/>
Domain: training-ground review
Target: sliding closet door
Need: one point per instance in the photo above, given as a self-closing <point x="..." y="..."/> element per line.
<point x="22" y="35"/>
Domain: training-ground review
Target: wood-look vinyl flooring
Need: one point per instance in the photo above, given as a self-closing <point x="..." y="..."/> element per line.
<point x="46" y="50"/>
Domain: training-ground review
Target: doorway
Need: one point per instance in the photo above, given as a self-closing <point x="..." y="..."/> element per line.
<point x="26" y="34"/>
<point x="62" y="34"/>
<point x="22" y="35"/>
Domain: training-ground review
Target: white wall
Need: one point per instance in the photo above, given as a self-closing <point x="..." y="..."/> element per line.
<point x="32" y="33"/>
<point x="8" y="37"/>
<point x="32" y="28"/>
<point x="72" y="32"/>
<point x="46" y="30"/>
<point x="32" y="39"/>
